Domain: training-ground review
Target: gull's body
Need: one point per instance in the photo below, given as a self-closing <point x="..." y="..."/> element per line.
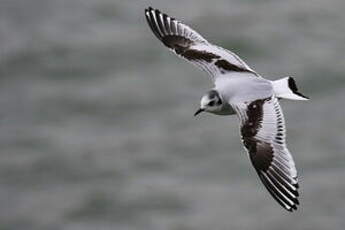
<point x="238" y="89"/>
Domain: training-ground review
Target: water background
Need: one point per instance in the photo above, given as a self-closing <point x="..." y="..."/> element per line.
<point x="96" y="125"/>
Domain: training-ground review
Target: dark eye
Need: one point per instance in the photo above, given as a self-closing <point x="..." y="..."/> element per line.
<point x="211" y="103"/>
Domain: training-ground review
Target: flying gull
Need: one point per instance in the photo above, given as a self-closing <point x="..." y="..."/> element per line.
<point x="240" y="90"/>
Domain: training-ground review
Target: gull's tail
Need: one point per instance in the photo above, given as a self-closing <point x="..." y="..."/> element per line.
<point x="286" y="88"/>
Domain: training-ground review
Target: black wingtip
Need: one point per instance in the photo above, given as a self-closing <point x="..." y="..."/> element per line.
<point x="149" y="17"/>
<point x="148" y="9"/>
<point x="292" y="208"/>
<point x="151" y="9"/>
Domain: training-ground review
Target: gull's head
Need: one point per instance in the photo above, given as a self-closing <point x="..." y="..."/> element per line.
<point x="211" y="102"/>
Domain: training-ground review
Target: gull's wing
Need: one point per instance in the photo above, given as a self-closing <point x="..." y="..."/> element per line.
<point x="190" y="45"/>
<point x="263" y="135"/>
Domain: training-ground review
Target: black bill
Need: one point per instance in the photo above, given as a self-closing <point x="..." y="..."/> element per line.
<point x="199" y="111"/>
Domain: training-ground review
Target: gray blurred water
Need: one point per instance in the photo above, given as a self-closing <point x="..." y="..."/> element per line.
<point x="96" y="125"/>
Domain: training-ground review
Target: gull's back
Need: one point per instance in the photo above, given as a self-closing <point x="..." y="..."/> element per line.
<point x="244" y="86"/>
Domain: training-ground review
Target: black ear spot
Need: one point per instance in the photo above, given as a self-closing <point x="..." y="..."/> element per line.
<point x="219" y="101"/>
<point x="212" y="94"/>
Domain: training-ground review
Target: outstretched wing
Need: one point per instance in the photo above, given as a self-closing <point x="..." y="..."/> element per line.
<point x="263" y="135"/>
<point x="190" y="45"/>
